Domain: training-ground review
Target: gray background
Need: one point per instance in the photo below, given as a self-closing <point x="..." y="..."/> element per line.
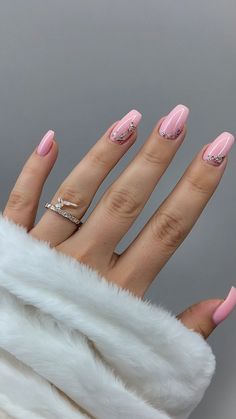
<point x="77" y="66"/>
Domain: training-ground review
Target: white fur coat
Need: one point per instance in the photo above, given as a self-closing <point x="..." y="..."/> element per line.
<point x="73" y="345"/>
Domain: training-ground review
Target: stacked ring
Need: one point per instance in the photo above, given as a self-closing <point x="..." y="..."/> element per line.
<point x="58" y="209"/>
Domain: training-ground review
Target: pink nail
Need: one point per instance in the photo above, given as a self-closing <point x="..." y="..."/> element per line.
<point x="46" y="143"/>
<point x="223" y="311"/>
<point x="174" y="122"/>
<point x="219" y="148"/>
<point x="124" y="128"/>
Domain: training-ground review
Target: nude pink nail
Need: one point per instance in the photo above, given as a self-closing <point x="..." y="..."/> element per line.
<point x="46" y="143"/>
<point x="174" y="122"/>
<point x="219" y="148"/>
<point x="124" y="128"/>
<point x="223" y="311"/>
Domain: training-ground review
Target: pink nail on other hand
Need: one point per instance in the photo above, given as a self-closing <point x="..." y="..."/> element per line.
<point x="174" y="122"/>
<point x="124" y="128"/>
<point x="225" y="308"/>
<point x="219" y="148"/>
<point x="45" y="144"/>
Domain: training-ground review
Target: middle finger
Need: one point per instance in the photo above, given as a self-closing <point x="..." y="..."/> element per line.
<point x="124" y="200"/>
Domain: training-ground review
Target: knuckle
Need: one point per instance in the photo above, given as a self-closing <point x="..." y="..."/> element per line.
<point x="121" y="203"/>
<point x="168" y="229"/>
<point x="154" y="158"/>
<point x="84" y="257"/>
<point x="98" y="159"/>
<point x="30" y="171"/>
<point x="19" y="200"/>
<point x="86" y="254"/>
<point x="198" y="184"/>
<point x="71" y="194"/>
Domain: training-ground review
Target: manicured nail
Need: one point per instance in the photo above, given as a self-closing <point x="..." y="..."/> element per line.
<point x="46" y="143"/>
<point x="174" y="122"/>
<point x="219" y="148"/>
<point x="225" y="308"/>
<point x="124" y="128"/>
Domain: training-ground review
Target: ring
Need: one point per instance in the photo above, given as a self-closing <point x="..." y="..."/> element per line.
<point x="58" y="208"/>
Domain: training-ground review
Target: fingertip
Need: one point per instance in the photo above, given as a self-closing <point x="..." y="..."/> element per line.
<point x="55" y="147"/>
<point x="46" y="144"/>
<point x="158" y="124"/>
<point x="124" y="130"/>
<point x="225" y="308"/>
<point x="110" y="129"/>
<point x="218" y="149"/>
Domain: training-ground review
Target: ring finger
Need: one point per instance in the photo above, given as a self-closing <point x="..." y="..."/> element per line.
<point x="82" y="183"/>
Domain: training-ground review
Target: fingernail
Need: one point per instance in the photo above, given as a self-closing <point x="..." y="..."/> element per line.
<point x="46" y="143"/>
<point x="219" y="148"/>
<point x="174" y="122"/>
<point x="225" y="308"/>
<point x="124" y="128"/>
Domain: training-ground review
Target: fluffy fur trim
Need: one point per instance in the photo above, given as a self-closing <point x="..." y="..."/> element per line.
<point x="10" y="410"/>
<point x="16" y="384"/>
<point x="143" y="360"/>
<point x="65" y="359"/>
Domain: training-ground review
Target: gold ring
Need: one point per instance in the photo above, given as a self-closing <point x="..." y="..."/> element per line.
<point x="58" y="209"/>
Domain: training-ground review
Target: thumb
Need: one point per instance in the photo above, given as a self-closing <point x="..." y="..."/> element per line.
<point x="203" y="317"/>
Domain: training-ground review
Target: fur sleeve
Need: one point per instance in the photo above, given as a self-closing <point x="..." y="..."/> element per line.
<point x="113" y="354"/>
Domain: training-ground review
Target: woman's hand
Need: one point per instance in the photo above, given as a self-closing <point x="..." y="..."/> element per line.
<point x="95" y="242"/>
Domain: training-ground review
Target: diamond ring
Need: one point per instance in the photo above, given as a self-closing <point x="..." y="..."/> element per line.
<point x="58" y="208"/>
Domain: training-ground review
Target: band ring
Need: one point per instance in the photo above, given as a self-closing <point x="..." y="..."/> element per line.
<point x="58" y="209"/>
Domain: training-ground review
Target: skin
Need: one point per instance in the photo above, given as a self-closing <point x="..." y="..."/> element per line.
<point x="95" y="242"/>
